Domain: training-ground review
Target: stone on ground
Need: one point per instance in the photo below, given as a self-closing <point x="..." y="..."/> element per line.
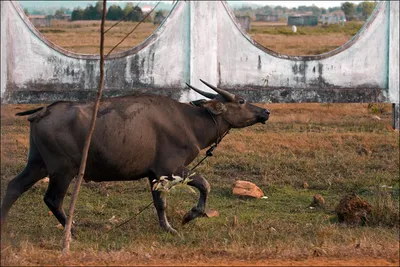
<point x="318" y="201"/>
<point x="211" y="213"/>
<point x="247" y="189"/>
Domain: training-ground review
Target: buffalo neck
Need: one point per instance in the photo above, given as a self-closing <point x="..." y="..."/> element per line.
<point x="206" y="129"/>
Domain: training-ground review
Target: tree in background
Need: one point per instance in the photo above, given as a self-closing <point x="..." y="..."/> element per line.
<point x="98" y="10"/>
<point x="93" y="12"/>
<point x="349" y="10"/>
<point x="365" y="9"/>
<point x="60" y="12"/>
<point x="78" y="14"/>
<point x="114" y="12"/>
<point x="135" y="13"/>
<point x="281" y="10"/>
<point x="334" y="9"/>
<point x="268" y="10"/>
<point x="303" y="8"/>
<point x="315" y="10"/>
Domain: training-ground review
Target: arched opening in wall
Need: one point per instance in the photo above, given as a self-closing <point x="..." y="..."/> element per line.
<point x="75" y="25"/>
<point x="304" y="29"/>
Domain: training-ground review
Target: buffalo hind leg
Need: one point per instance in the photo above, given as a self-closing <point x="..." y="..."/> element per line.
<point x="54" y="197"/>
<point x="33" y="172"/>
<point x="160" y="204"/>
<point x="203" y="186"/>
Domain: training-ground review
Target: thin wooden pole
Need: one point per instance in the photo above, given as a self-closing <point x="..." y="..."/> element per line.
<point x="78" y="181"/>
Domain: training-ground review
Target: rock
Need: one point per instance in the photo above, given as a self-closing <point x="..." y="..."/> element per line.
<point x="248" y="189"/>
<point x="353" y="210"/>
<point x="318" y="201"/>
<point x="211" y="213"/>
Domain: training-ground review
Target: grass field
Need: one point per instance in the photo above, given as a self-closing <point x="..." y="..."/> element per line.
<point x="83" y="36"/>
<point x="335" y="148"/>
<point x="314" y="143"/>
<point x="306" y="41"/>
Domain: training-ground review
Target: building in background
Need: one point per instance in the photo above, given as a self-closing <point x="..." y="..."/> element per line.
<point x="66" y="17"/>
<point x="266" y="17"/>
<point x="333" y="18"/>
<point x="302" y="20"/>
<point x="40" y="20"/>
<point x="146" y="9"/>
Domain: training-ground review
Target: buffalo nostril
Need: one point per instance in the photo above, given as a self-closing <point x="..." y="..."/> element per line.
<point x="267" y="111"/>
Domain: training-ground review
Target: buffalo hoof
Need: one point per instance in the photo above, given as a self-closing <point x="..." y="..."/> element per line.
<point x="171" y="230"/>
<point x="73" y="233"/>
<point x="192" y="214"/>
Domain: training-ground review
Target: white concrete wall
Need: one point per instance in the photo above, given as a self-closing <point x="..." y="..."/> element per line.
<point x="363" y="64"/>
<point x="201" y="39"/>
<point x="203" y="45"/>
<point x="3" y="47"/>
<point x="394" y="53"/>
<point x="34" y="63"/>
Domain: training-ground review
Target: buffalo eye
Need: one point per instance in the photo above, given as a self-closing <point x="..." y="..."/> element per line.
<point x="241" y="101"/>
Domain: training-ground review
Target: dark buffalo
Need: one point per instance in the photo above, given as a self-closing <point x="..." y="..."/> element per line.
<point x="135" y="137"/>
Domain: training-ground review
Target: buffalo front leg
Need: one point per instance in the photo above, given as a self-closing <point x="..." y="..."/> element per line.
<point x="160" y="203"/>
<point x="203" y="186"/>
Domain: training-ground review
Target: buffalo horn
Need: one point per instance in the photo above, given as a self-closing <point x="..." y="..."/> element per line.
<point x="208" y="95"/>
<point x="230" y="97"/>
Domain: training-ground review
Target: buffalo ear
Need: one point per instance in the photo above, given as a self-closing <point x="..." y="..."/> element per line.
<point x="215" y="107"/>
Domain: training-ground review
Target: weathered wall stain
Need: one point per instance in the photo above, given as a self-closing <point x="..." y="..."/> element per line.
<point x="334" y="95"/>
<point x="365" y="69"/>
<point x="49" y="96"/>
<point x="36" y="65"/>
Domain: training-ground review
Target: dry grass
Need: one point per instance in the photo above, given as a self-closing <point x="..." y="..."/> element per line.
<point x="301" y="44"/>
<point x="154" y="255"/>
<point x="307" y="41"/>
<point x="83" y="36"/>
<point x="317" y="143"/>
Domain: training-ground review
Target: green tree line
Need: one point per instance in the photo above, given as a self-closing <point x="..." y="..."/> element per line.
<point x="363" y="10"/>
<point x="114" y="12"/>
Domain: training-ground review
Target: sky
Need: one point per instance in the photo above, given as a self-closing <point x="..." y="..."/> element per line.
<point x="290" y="4"/>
